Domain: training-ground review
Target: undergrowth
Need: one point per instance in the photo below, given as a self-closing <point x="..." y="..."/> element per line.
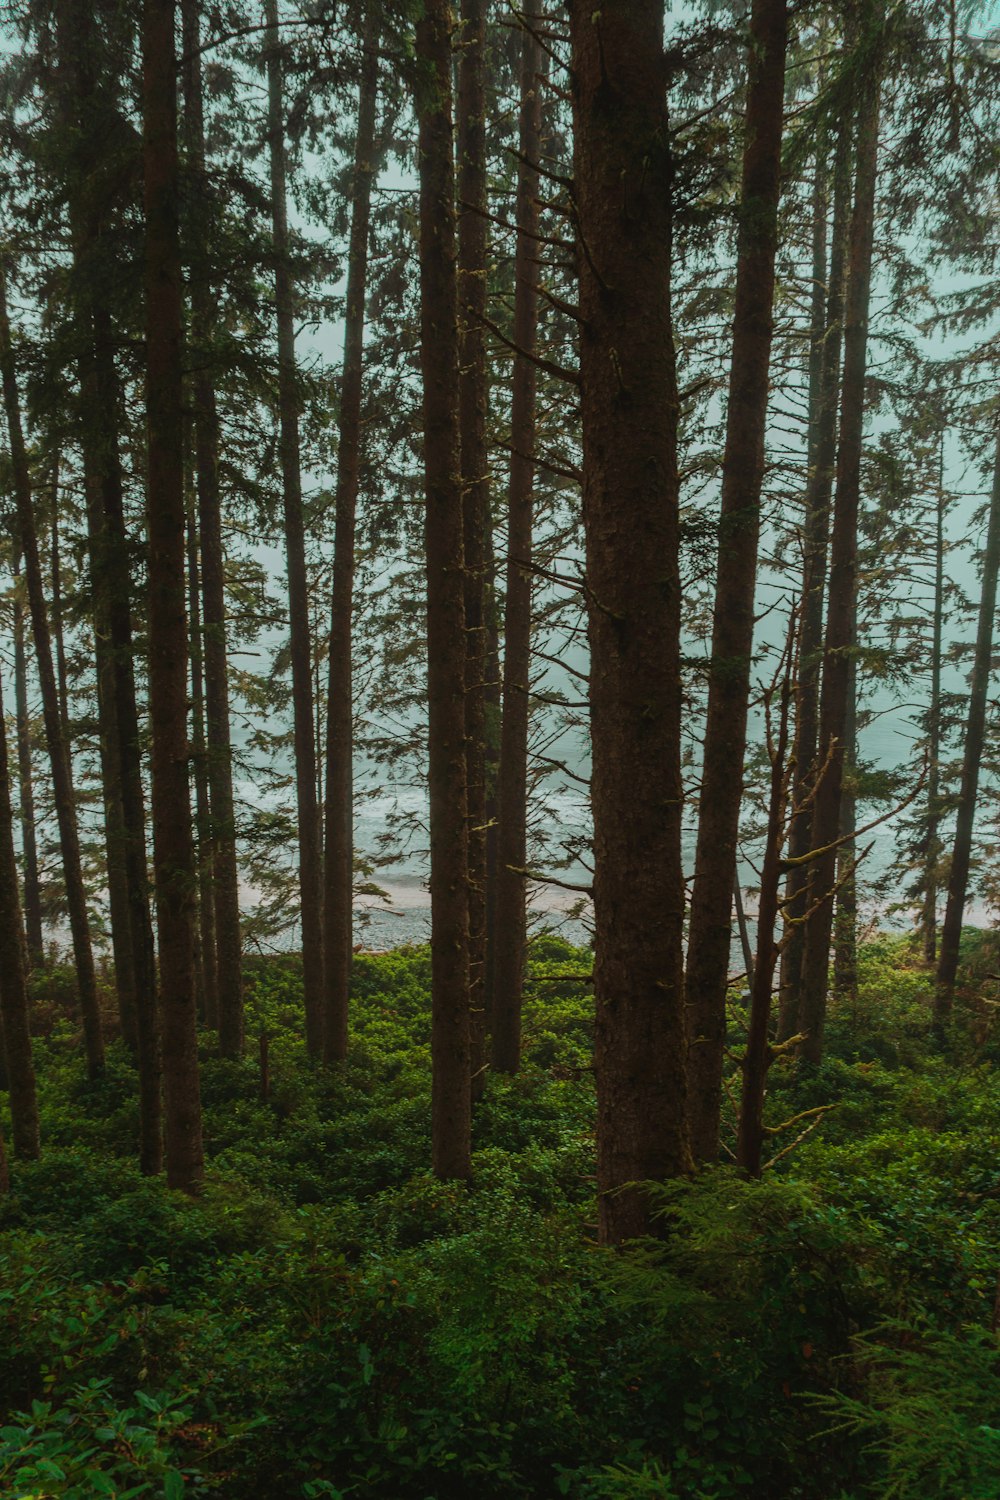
<point x="329" y="1320"/>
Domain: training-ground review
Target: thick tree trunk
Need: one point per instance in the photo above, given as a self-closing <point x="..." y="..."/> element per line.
<point x="838" y="642"/>
<point x="225" y="876"/>
<point x="512" y="789"/>
<point x="710" y="929"/>
<point x="14" y="1030"/>
<point x="932" y="837"/>
<point x="26" y="788"/>
<point x="827" y="331"/>
<point x="630" y="510"/>
<point x="307" y="805"/>
<point x="972" y="754"/>
<point x="473" y="249"/>
<point x="443" y="536"/>
<point x="339" y="862"/>
<point x="168" y="638"/>
<point x="62" y="781"/>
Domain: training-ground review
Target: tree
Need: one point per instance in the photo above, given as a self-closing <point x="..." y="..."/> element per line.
<point x="838" y="643"/>
<point x="59" y="760"/>
<point x="14" y="1032"/>
<point x="446" y="652"/>
<point x="173" y="845"/>
<point x="932" y="845"/>
<point x="512" y="788"/>
<point x="229" y="958"/>
<point x="87" y="88"/>
<point x="972" y="754"/>
<point x="736" y="576"/>
<point x="628" y="389"/>
<point x="473" y="250"/>
<point x="339" y="862"/>
<point x="826" y="347"/>
<point x="25" y="776"/>
<point x="307" y="803"/>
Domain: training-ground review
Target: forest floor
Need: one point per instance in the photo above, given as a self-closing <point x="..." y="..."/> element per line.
<point x="329" y="1320"/>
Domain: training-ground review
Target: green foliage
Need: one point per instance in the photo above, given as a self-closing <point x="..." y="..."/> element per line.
<point x="330" y="1320"/>
<point x="929" y="1412"/>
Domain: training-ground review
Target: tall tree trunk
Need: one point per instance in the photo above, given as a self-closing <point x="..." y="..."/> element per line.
<point x="216" y="665"/>
<point x="56" y="612"/>
<point x="14" y="1031"/>
<point x="88" y="108"/>
<point x="838" y="641"/>
<point x="339" y="862"/>
<point x="975" y="726"/>
<point x="114" y="817"/>
<point x="932" y="838"/>
<point x="29" y="844"/>
<point x="757" y="1060"/>
<point x="209" y="977"/>
<point x="622" y="171"/>
<point x="307" y="805"/>
<point x="827" y="334"/>
<point x="115" y="587"/>
<point x="443" y="536"/>
<point x="512" y="790"/>
<point x="710" y="930"/>
<point x="62" y="781"/>
<point x="473" y="249"/>
<point x="845" y="922"/>
<point x="168" y="638"/>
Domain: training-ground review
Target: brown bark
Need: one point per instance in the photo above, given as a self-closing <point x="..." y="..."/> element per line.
<point x="307" y="803"/>
<point x="339" y="862"/>
<point x="168" y="638"/>
<point x="512" y="787"/>
<point x="628" y="380"/>
<point x="932" y="837"/>
<point x="838" y="640"/>
<point x="4" y="1168"/>
<point x="710" y="928"/>
<point x="451" y="1106"/>
<point x="114" y="819"/>
<point x="115" y="586"/>
<point x="62" y="781"/>
<point x="208" y="977"/>
<point x="14" y="1030"/>
<point x="29" y="844"/>
<point x="90" y="113"/>
<point x="216" y="665"/>
<point x="972" y="754"/>
<point x="473" y="248"/>
<point x="757" y="1059"/>
<point x="845" y="922"/>
<point x="56" y="612"/>
<point x="828" y="332"/>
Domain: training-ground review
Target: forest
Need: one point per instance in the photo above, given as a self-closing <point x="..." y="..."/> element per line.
<point x="499" y="786"/>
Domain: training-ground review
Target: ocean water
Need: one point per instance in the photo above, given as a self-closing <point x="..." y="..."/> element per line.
<point x="401" y="915"/>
